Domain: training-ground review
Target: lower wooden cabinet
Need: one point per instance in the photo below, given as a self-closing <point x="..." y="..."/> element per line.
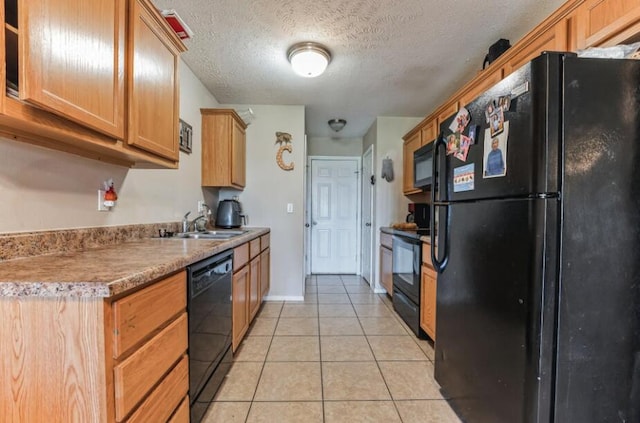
<point x="255" y="298"/>
<point x="250" y="284"/>
<point x="181" y="415"/>
<point x="240" y="305"/>
<point x="167" y="397"/>
<point x="265" y="273"/>
<point x="428" y="301"/>
<point x="67" y="365"/>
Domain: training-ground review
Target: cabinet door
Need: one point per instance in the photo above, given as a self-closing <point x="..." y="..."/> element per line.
<point x="429" y="132"/>
<point x="223" y="149"/>
<point x="410" y="145"/>
<point x="607" y="22"/>
<point x="448" y="111"/>
<point x="428" y="302"/>
<point x="555" y="38"/>
<point x="254" y="287"/>
<point x="153" y="83"/>
<point x="386" y="275"/>
<point x="71" y="60"/>
<point x="238" y="156"/>
<point x="240" y="301"/>
<point x="265" y="269"/>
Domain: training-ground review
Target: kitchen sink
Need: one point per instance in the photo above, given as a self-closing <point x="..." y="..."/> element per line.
<point x="217" y="234"/>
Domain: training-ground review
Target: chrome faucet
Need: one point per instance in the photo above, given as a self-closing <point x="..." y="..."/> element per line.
<point x="185" y="222"/>
<point x="186" y="225"/>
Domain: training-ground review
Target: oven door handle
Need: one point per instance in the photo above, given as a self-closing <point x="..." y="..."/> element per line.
<point x="439" y="264"/>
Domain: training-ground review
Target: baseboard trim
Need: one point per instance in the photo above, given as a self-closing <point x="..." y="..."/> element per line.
<point x="284" y="298"/>
<point x="379" y="291"/>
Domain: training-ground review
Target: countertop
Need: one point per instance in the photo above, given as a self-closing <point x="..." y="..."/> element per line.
<point x="109" y="270"/>
<point x="407" y="233"/>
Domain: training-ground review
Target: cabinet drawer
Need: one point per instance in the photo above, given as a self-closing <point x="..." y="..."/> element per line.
<point x="240" y="256"/>
<point x="162" y="402"/>
<point x="265" y="242"/>
<point x="138" y="315"/>
<point x="182" y="413"/>
<point x="254" y="247"/>
<point x="426" y="254"/>
<point x="135" y="376"/>
<point x="386" y="240"/>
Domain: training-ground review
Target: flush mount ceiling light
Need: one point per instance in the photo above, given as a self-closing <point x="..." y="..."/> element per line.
<point x="309" y="59"/>
<point x="337" y="124"/>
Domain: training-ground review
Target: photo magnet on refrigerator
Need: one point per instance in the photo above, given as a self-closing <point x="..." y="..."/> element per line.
<point x="463" y="178"/>
<point x="461" y="120"/>
<point x="495" y="152"/>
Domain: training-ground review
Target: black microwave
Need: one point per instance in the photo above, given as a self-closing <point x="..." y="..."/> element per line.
<point x="423" y="166"/>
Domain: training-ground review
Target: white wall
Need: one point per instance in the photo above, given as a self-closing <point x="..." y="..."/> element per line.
<point x="322" y="146"/>
<point x="270" y="188"/>
<point x="44" y="189"/>
<point x="390" y="205"/>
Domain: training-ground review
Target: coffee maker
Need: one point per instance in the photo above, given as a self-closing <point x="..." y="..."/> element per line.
<point x="419" y="214"/>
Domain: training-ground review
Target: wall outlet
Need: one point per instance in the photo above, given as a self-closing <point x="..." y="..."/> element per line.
<point x="200" y="206"/>
<point x="101" y="206"/>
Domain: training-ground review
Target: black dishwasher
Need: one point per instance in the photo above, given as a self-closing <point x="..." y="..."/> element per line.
<point x="209" y="308"/>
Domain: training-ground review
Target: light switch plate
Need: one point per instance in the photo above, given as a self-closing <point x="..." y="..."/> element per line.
<point x="289" y="207"/>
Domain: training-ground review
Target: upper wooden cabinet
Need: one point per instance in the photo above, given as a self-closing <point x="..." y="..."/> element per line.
<point x="554" y="39"/>
<point x="67" y="64"/>
<point x="411" y="143"/>
<point x="154" y="95"/>
<point x="608" y="22"/>
<point x="71" y="60"/>
<point x="475" y="90"/>
<point x="223" y="149"/>
<point x="446" y="112"/>
<point x="429" y="132"/>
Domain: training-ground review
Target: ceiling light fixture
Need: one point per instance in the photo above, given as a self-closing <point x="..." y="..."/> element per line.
<point x="337" y="124"/>
<point x="309" y="59"/>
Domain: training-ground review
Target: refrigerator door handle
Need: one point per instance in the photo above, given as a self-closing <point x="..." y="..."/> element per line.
<point x="438" y="265"/>
<point x="435" y="170"/>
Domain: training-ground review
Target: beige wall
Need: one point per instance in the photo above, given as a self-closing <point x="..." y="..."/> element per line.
<point x="390" y="205"/>
<point x="334" y="147"/>
<point x="44" y="189"/>
<point x="270" y="188"/>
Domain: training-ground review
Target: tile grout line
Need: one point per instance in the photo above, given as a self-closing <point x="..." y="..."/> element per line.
<point x="320" y="355"/>
<point x="255" y="391"/>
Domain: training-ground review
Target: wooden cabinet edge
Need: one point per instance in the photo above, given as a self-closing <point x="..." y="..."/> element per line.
<point x="169" y="32"/>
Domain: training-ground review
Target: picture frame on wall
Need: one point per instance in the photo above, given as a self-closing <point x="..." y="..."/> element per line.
<point x="186" y="137"/>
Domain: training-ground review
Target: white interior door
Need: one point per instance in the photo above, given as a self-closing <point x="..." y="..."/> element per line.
<point x="334" y="215"/>
<point x="367" y="215"/>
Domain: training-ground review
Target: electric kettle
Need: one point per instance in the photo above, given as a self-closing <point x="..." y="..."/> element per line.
<point x="229" y="214"/>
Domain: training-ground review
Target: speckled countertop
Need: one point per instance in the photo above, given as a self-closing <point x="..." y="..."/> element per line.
<point x="109" y="270"/>
<point x="392" y="231"/>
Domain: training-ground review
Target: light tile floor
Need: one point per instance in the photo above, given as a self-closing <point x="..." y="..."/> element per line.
<point x="342" y="355"/>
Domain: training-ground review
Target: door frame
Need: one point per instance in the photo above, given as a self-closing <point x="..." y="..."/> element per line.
<point x="309" y="243"/>
<point x="371" y="148"/>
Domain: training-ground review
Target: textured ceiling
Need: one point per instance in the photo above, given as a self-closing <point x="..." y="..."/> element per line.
<point x="390" y="58"/>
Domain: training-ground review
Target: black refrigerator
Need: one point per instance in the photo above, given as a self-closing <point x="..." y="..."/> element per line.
<point x="537" y="203"/>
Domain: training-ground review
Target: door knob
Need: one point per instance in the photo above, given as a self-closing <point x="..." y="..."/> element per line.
<point x="314" y="222"/>
<point x="367" y="224"/>
<point x="306" y="225"/>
